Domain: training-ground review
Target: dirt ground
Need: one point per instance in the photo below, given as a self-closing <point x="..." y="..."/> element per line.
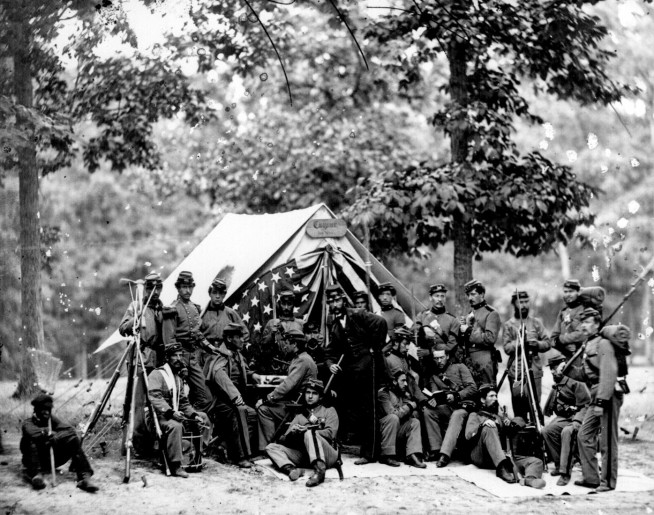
<point x="227" y="489"/>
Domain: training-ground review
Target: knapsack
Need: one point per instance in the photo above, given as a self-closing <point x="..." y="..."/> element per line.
<point x="619" y="336"/>
<point x="592" y="297"/>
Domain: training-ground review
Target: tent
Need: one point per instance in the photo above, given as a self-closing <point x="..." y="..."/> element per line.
<point x="257" y="255"/>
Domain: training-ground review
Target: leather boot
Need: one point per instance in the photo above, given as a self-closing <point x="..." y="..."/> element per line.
<point x="443" y="460"/>
<point x="390" y="461"/>
<point x="319" y="475"/>
<point x="84" y="483"/>
<point x="177" y="470"/>
<point x="505" y="471"/>
<point x="415" y="461"/>
<point x="37" y="482"/>
<point x="292" y="472"/>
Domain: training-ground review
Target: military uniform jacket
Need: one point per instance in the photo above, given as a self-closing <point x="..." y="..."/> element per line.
<point x="476" y="419"/>
<point x="181" y="324"/>
<point x="363" y="331"/>
<point x="457" y="377"/>
<point x="447" y="328"/>
<point x="534" y="331"/>
<point x="229" y="371"/>
<point x="215" y="320"/>
<point x="395" y="363"/>
<point x="394" y="403"/>
<point x="150" y="330"/>
<point x="288" y="323"/>
<point x="330" y="416"/>
<point x="394" y="317"/>
<point x="161" y="394"/>
<point x="568" y="396"/>
<point x="300" y="371"/>
<point x="485" y="329"/>
<point x="567" y="328"/>
<point x="599" y="369"/>
<point x="37" y="430"/>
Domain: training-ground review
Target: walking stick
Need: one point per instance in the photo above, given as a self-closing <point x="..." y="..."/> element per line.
<point x="52" y="456"/>
<point x="329" y="383"/>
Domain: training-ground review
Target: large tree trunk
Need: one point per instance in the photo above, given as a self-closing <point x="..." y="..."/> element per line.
<point x="28" y="177"/>
<point x="459" y="140"/>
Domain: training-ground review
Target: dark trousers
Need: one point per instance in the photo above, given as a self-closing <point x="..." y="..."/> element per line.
<point x="404" y="434"/>
<point x="314" y="447"/>
<point x="482" y="367"/>
<point x="238" y="427"/>
<point x="172" y="432"/>
<point x="36" y="456"/>
<point x="199" y="394"/>
<point x="487" y="451"/>
<point x="360" y="398"/>
<point x="454" y="421"/>
<point x="520" y="397"/>
<point x="559" y="436"/>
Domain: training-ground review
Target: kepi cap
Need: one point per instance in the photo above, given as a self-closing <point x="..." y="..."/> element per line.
<point x="437" y="288"/>
<point x="184" y="277"/>
<point x="572" y="284"/>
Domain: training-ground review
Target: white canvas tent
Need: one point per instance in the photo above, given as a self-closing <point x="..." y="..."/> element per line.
<point x="242" y="248"/>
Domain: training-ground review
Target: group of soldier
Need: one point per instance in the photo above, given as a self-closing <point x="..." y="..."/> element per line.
<point x="412" y="391"/>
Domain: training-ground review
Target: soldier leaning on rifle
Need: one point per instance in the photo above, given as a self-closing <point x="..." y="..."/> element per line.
<point x="568" y="400"/>
<point x="436" y="326"/>
<point x="480" y="330"/>
<point x="309" y="438"/>
<point x="599" y="370"/>
<point x="394" y="317"/>
<point x="38" y="439"/>
<point x="217" y="315"/>
<point x="181" y="325"/>
<point x="399" y="424"/>
<point x="536" y="342"/>
<point x="269" y="358"/>
<point x="397" y="360"/>
<point x="272" y="409"/>
<point x="172" y="406"/>
<point x="487" y="431"/>
<point x="456" y="379"/>
<point x="227" y="375"/>
<point x="567" y="335"/>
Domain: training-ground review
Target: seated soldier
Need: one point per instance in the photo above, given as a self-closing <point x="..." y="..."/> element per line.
<point x="268" y="357"/>
<point x="457" y="381"/>
<point x="43" y="432"/>
<point x="309" y="438"/>
<point x="166" y="391"/>
<point x="399" y="424"/>
<point x="397" y="359"/>
<point x="485" y="429"/>
<point x="227" y="375"/>
<point x="272" y="409"/>
<point x="569" y="401"/>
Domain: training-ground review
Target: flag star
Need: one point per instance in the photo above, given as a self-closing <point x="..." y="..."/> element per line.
<point x="262" y="286"/>
<point x="257" y="327"/>
<point x="297" y="287"/>
<point x="276" y="277"/>
<point x="235" y="307"/>
<point x="289" y="271"/>
<point x="254" y="301"/>
<point x="246" y="318"/>
<point x="267" y="309"/>
<point x="305" y="297"/>
<point x="296" y="309"/>
<point x="245" y="294"/>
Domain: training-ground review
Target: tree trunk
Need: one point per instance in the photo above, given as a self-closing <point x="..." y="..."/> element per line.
<point x="28" y="180"/>
<point x="459" y="142"/>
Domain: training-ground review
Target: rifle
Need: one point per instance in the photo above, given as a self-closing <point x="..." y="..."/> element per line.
<point x="510" y="453"/>
<point x="52" y="456"/>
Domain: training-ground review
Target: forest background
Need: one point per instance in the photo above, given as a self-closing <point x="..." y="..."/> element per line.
<point x="265" y="145"/>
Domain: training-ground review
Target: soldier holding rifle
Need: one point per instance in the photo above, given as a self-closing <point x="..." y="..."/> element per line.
<point x="567" y="335"/>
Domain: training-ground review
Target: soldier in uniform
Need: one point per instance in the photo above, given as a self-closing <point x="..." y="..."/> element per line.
<point x="43" y="432"/>
<point x="479" y="332"/>
<point x="172" y="406"/>
<point x="568" y="400"/>
<point x="457" y="381"/>
<point x="309" y="439"/>
<point x="302" y="369"/>
<point x="181" y="325"/>
<point x="217" y="316"/>
<point x="227" y="375"/>
<point x="599" y="370"/>
<point x="360" y="299"/>
<point x="152" y="349"/>
<point x="269" y="358"/>
<point x="399" y="423"/>
<point x="356" y="341"/>
<point x="567" y="335"/>
<point x="394" y="317"/>
<point x="397" y="360"/>
<point x="536" y="342"/>
<point x="436" y="326"/>
<point x="486" y="430"/>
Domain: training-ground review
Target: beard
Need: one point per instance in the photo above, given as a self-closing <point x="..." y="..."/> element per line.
<point x="493" y="408"/>
<point x="520" y="313"/>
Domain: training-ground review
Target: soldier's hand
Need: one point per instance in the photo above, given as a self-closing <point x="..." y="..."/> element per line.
<point x="576" y="425"/>
<point x="413" y="404"/>
<point x="178" y="415"/>
<point x="49" y="440"/>
<point x="335" y="368"/>
<point x="450" y="398"/>
<point x="559" y="369"/>
<point x="432" y="403"/>
<point x="256" y="378"/>
<point x="275" y="326"/>
<point x="489" y="423"/>
<point x="464" y="327"/>
<point x="198" y="418"/>
<point x="259" y="404"/>
<point x="238" y="401"/>
<point x="297" y="428"/>
<point x="598" y="410"/>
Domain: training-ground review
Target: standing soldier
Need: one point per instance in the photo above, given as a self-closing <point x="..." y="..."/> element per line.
<point x="535" y="339"/>
<point x="479" y="331"/>
<point x="568" y="400"/>
<point x="356" y="341"/>
<point x="227" y="374"/>
<point x="567" y="335"/>
<point x="436" y="326"/>
<point x="181" y="325"/>
<point x="360" y="299"/>
<point x="394" y="317"/>
<point x="599" y="370"/>
<point x="217" y="316"/>
<point x="269" y="358"/>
